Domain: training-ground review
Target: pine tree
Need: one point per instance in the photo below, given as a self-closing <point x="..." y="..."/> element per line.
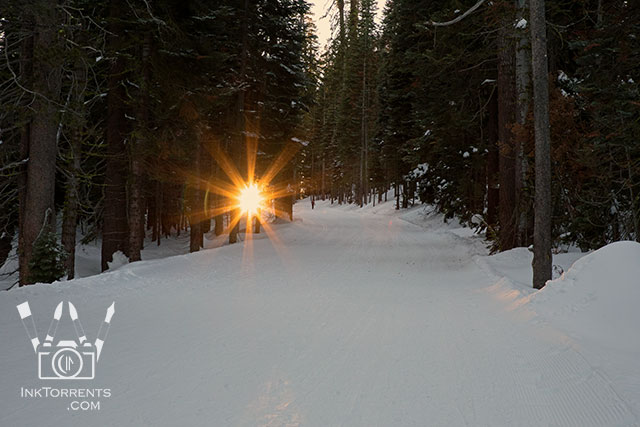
<point x="47" y="262"/>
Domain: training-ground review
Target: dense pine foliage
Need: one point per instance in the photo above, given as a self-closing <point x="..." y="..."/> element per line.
<point x="121" y="107"/>
<point x="116" y="117"/>
<point x="447" y="115"/>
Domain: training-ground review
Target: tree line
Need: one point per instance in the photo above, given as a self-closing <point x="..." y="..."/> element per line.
<point x="437" y="104"/>
<point x="122" y="118"/>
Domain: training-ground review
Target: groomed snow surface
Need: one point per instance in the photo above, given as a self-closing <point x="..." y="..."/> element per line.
<point x="353" y="317"/>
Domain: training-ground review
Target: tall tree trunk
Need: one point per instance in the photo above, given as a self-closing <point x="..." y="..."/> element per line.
<point x="322" y="188"/>
<point x="115" y="235"/>
<point x="506" y="119"/>
<point x="196" y="206"/>
<point x="493" y="186"/>
<point x="241" y="119"/>
<point x="219" y="200"/>
<point x="205" y="176"/>
<point x="523" y="80"/>
<point x="542" y="225"/>
<point x="364" y="149"/>
<point x="26" y="76"/>
<point x="136" y="216"/>
<point x="341" y="25"/>
<point x="39" y="209"/>
<point x="70" y="213"/>
<point x="158" y="206"/>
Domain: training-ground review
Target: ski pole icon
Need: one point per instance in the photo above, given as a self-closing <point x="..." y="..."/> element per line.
<point x="104" y="329"/>
<point x="25" y="313"/>
<point x="53" y="327"/>
<point x="76" y="323"/>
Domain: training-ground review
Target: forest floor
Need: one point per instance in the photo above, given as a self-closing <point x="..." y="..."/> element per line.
<point x="347" y="317"/>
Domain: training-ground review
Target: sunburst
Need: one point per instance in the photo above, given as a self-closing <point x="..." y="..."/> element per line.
<point x="242" y="197"/>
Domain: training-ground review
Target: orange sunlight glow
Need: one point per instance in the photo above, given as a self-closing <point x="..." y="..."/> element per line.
<point x="250" y="199"/>
<point x="241" y="195"/>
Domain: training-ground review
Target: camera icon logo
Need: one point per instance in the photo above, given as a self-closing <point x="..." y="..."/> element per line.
<point x="68" y="359"/>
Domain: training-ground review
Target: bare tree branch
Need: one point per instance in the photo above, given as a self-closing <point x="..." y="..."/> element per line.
<point x="459" y="18"/>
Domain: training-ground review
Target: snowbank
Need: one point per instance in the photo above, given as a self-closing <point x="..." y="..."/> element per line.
<point x="594" y="304"/>
<point x="515" y="265"/>
<point x="593" y="297"/>
<point x="598" y="298"/>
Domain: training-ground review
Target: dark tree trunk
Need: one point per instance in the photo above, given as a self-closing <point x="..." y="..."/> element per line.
<point x="322" y="188"/>
<point x="204" y="172"/>
<point x="219" y="219"/>
<point x="542" y="228"/>
<point x="195" y="206"/>
<point x="493" y="187"/>
<point x="241" y="119"/>
<point x="115" y="236"/>
<point x="195" y="235"/>
<point x="506" y="119"/>
<point x="70" y="213"/>
<point x="69" y="222"/>
<point x="39" y="209"/>
<point x="256" y="227"/>
<point x="523" y="78"/>
<point x="26" y="75"/>
<point x="136" y="200"/>
<point x="159" y="201"/>
<point x="290" y="202"/>
<point x="405" y="195"/>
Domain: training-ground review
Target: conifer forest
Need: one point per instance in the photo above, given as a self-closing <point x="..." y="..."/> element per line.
<point x="305" y="148"/>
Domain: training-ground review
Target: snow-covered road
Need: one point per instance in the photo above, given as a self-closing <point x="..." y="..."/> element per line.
<point x="350" y="318"/>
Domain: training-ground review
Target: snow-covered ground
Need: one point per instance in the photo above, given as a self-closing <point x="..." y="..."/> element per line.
<point x="354" y="317"/>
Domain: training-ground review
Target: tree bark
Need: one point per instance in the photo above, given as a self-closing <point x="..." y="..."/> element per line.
<point x="195" y="205"/>
<point x="493" y="186"/>
<point x="115" y="235"/>
<point x="38" y="214"/>
<point x="71" y="203"/>
<point x="523" y="81"/>
<point x="542" y="222"/>
<point x="158" y="206"/>
<point x="506" y="119"/>
<point x="26" y="76"/>
<point x="136" y="215"/>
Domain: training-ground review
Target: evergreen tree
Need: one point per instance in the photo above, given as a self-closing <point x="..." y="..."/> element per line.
<point x="47" y="259"/>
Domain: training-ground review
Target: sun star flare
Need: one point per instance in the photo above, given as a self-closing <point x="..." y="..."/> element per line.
<point x="250" y="199"/>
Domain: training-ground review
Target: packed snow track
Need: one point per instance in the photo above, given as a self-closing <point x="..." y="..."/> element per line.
<point x="343" y="318"/>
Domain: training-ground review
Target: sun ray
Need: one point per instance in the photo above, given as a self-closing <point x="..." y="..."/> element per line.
<point x="222" y="210"/>
<point x="235" y="219"/>
<point x="280" y="162"/>
<point x="277" y="244"/>
<point x="247" y="250"/>
<point x="218" y="189"/>
<point x="243" y="198"/>
<point x="280" y="193"/>
<point x="251" y="140"/>
<point x="281" y="214"/>
<point x="225" y="163"/>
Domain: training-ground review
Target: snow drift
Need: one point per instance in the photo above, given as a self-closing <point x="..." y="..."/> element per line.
<point x="598" y="298"/>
